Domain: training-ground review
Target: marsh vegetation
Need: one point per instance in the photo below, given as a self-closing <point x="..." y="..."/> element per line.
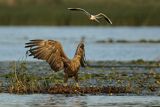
<point x="29" y="77"/>
<point x="54" y="12"/>
<point x="111" y="40"/>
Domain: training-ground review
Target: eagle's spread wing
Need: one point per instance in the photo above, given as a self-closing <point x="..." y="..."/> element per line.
<point x="49" y="50"/>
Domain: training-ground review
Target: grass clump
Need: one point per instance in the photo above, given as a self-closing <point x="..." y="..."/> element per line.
<point x="21" y="81"/>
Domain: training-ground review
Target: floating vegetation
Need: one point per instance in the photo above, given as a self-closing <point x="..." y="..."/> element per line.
<point x="0" y="86"/>
<point x="25" y="78"/>
<point x="20" y="80"/>
<point x="60" y="89"/>
<point x="110" y="40"/>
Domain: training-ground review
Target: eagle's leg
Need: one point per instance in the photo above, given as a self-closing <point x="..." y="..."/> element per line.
<point x="65" y="79"/>
<point x="76" y="79"/>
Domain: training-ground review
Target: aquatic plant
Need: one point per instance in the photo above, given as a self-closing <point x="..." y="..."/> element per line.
<point x="20" y="80"/>
<point x="111" y="40"/>
<point x="1" y="86"/>
<point x="109" y="80"/>
<point x="60" y="89"/>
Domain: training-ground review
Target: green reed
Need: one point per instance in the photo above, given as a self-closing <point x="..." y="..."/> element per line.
<point x="54" y="12"/>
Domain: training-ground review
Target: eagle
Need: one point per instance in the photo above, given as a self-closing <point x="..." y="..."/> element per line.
<point x="52" y="52"/>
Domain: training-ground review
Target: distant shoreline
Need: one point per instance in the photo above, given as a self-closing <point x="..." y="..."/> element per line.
<point x="54" y="12"/>
<point x="110" y="40"/>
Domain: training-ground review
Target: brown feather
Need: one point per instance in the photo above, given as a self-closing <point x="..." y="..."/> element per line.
<point x="48" y="50"/>
<point x="52" y="52"/>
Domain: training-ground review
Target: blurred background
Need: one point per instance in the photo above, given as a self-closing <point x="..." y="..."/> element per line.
<point x="54" y="12"/>
<point x="134" y="34"/>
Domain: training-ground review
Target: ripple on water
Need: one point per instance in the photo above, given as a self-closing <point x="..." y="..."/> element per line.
<point x="47" y="100"/>
<point x="13" y="48"/>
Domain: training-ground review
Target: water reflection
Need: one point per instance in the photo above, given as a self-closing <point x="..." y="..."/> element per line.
<point x="47" y="100"/>
<point x="61" y="101"/>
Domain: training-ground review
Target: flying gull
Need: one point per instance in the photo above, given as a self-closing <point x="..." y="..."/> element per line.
<point x="93" y="17"/>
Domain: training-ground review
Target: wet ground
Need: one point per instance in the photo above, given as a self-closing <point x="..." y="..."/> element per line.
<point x="134" y="77"/>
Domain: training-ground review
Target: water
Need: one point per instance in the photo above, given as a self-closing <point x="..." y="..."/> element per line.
<point x="46" y="100"/>
<point x="12" y="40"/>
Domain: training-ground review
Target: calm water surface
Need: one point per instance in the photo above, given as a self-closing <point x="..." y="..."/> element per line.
<point x="46" y="100"/>
<point x="12" y="40"/>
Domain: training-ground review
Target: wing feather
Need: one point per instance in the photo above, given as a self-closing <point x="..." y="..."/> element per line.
<point x="105" y="17"/>
<point x="49" y="50"/>
<point x="80" y="9"/>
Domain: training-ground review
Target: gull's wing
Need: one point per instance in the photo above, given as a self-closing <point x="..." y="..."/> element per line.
<point x="97" y="20"/>
<point x="49" y="50"/>
<point x="105" y="17"/>
<point x="80" y="9"/>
